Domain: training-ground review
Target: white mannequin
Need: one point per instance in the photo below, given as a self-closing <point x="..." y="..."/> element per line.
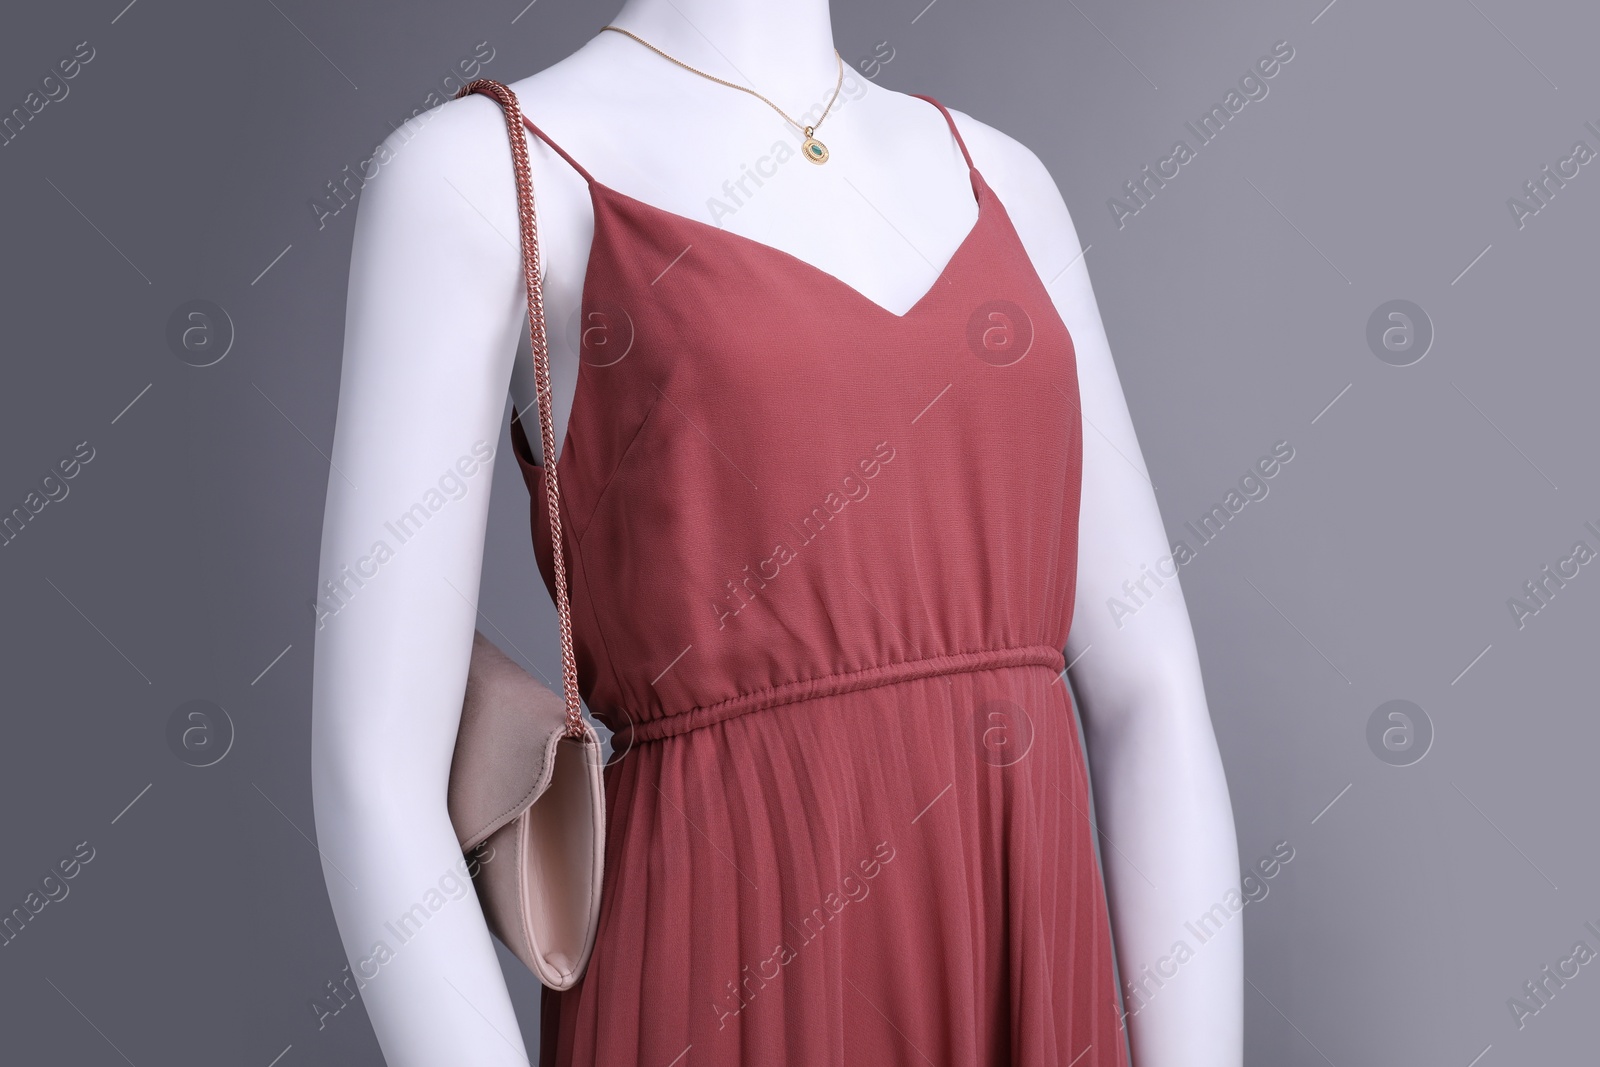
<point x="435" y="313"/>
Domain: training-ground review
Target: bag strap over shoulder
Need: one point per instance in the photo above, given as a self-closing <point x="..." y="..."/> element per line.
<point x="575" y="726"/>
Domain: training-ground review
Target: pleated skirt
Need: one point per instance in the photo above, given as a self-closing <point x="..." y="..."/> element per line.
<point x="900" y="876"/>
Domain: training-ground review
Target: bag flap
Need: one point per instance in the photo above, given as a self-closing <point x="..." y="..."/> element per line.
<point x="505" y="745"/>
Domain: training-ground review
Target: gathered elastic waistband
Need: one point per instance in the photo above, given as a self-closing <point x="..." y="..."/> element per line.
<point x="637" y="733"/>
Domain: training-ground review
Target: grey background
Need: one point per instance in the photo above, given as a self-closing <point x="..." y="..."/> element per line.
<point x="1420" y="898"/>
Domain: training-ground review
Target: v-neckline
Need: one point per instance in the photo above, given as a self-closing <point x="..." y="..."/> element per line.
<point x="980" y="192"/>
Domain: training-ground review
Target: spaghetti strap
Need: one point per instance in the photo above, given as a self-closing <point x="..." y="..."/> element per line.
<point x="562" y="152"/>
<point x="955" y="132"/>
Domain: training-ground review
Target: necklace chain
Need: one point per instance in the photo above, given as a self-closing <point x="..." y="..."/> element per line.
<point x="745" y="89"/>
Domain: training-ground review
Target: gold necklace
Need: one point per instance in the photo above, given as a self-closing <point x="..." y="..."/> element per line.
<point x="811" y="148"/>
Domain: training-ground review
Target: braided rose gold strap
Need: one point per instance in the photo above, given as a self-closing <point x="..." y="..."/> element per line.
<point x="541" y="376"/>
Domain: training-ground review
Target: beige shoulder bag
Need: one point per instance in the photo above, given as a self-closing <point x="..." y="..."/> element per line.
<point x="526" y="777"/>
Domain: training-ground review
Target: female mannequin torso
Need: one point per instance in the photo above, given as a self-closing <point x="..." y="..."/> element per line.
<point x="435" y="314"/>
<point x="880" y="226"/>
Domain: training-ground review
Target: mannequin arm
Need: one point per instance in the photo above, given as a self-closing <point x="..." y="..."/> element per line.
<point x="1166" y="824"/>
<point x="432" y="323"/>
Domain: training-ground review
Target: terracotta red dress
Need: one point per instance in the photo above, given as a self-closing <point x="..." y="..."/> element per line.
<point x="822" y="561"/>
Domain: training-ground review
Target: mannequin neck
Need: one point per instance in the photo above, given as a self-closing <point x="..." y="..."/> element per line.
<point x="783" y="51"/>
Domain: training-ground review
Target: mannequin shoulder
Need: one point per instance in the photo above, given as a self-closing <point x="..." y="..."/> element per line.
<point x="467" y="131"/>
<point x="1025" y="186"/>
<point x="446" y="176"/>
<point x="1012" y="169"/>
<point x="442" y="183"/>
